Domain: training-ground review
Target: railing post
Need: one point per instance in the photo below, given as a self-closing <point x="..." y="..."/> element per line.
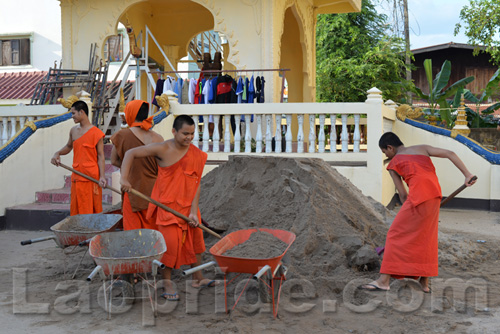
<point x="206" y="135"/>
<point x="300" y="134"/>
<point x="344" y="136"/>
<point x="277" y="136"/>
<point x="237" y="134"/>
<point x="321" y="135"/>
<point x="258" y="138"/>
<point x="357" y="135"/>
<point x="248" y="134"/>
<point x="216" y="138"/>
<point x="269" y="148"/>
<point x="288" y="135"/>
<point x="13" y="126"/>
<point x="333" y="133"/>
<point x="227" y="135"/>
<point x="312" y="133"/>
<point x="196" y="136"/>
<point x="5" y="136"/>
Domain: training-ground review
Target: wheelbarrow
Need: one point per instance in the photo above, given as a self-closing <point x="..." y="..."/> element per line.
<point x="265" y="271"/>
<point x="127" y="252"/>
<point x="75" y="230"/>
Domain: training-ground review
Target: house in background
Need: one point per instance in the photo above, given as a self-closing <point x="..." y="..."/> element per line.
<point x="463" y="64"/>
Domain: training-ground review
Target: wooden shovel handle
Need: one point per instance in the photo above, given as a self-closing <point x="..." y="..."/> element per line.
<point x="456" y="192"/>
<point x="141" y="195"/>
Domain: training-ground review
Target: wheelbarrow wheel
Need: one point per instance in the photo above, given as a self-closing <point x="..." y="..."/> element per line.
<point x="122" y="296"/>
<point x="265" y="288"/>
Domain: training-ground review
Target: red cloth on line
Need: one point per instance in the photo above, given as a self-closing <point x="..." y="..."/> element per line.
<point x="86" y="196"/>
<point x="411" y="247"/>
<point x="133" y="220"/>
<point x="176" y="187"/>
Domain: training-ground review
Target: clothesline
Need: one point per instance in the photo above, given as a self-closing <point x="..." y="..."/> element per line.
<point x="281" y="70"/>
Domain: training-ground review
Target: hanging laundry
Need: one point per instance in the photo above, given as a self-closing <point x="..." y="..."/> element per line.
<point x="158" y="91"/>
<point x="185" y="92"/>
<point x="260" y="98"/>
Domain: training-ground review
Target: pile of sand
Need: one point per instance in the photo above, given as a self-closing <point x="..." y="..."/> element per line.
<point x="337" y="227"/>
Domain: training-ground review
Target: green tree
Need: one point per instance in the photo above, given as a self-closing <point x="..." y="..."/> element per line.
<point x="354" y="54"/>
<point x="482" y="26"/>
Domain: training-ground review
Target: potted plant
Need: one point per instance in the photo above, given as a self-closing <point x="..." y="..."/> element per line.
<point x="438" y="94"/>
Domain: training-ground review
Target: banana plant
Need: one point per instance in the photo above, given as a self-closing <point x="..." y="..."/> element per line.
<point x="437" y="93"/>
<point x="476" y="118"/>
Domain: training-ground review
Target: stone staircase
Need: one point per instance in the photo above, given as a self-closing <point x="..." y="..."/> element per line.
<point x="52" y="206"/>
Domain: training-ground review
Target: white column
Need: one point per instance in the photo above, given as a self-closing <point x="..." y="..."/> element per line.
<point x="13" y="125"/>
<point x="277" y="135"/>
<point x="5" y="136"/>
<point x="300" y="134"/>
<point x="237" y="134"/>
<point x="269" y="137"/>
<point x="357" y="135"/>
<point x="288" y="135"/>
<point x="333" y="133"/>
<point x="258" y="137"/>
<point x="312" y="133"/>
<point x="22" y="120"/>
<point x="227" y="135"/>
<point x="206" y="135"/>
<point x="31" y="118"/>
<point x="196" y="136"/>
<point x="248" y="134"/>
<point x="321" y="135"/>
<point x="344" y="136"/>
<point x="216" y="136"/>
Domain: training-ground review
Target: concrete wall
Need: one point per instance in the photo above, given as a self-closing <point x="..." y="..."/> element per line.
<point x="29" y="169"/>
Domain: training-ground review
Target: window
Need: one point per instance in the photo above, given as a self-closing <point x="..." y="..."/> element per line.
<point x="15" y="52"/>
<point x="113" y="48"/>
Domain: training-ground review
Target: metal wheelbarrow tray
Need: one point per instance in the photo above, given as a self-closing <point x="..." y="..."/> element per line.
<point x="271" y="268"/>
<point x="127" y="252"/>
<point x="73" y="230"/>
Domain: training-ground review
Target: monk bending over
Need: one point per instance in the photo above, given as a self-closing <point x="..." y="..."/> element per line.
<point x="411" y="248"/>
<point x="144" y="170"/>
<point x="86" y="141"/>
<point x="180" y="167"/>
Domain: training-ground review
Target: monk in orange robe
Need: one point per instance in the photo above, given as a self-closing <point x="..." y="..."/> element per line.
<point x="411" y="248"/>
<point x="180" y="167"/>
<point x="86" y="141"/>
<point x="144" y="170"/>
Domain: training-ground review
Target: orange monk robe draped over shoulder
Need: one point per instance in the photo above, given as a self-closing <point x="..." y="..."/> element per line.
<point x="411" y="247"/>
<point x="86" y="196"/>
<point x="143" y="176"/>
<point x="176" y="187"/>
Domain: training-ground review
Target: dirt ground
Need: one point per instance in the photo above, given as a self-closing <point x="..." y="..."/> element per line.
<point x="465" y="298"/>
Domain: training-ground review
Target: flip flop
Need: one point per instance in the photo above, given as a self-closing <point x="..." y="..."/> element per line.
<point x="173" y="297"/>
<point x="210" y="284"/>
<point x="427" y="291"/>
<point x="373" y="287"/>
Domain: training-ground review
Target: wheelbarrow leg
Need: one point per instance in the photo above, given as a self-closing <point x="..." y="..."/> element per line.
<point x="79" y="264"/>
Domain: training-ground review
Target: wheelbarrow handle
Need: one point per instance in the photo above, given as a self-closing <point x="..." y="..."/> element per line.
<point x="32" y="241"/>
<point x="144" y="197"/>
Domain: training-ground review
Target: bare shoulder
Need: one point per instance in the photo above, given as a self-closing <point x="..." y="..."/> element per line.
<point x="418" y="149"/>
<point x="156" y="137"/>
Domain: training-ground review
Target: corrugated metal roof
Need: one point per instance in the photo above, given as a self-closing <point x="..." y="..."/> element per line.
<point x="19" y="85"/>
<point x="446" y="46"/>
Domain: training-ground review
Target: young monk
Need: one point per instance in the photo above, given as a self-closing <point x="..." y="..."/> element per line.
<point x="144" y="170"/>
<point x="180" y="167"/>
<point x="411" y="248"/>
<point x="86" y="141"/>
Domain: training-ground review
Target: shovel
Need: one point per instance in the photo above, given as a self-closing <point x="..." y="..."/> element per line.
<point x="380" y="250"/>
<point x="144" y="197"/>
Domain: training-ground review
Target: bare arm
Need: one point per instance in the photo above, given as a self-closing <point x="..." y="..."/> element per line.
<point x="56" y="158"/>
<point x="115" y="159"/>
<point x="138" y="152"/>
<point x="453" y="157"/>
<point x="403" y="194"/>
<point x="193" y="215"/>
<point x="101" y="163"/>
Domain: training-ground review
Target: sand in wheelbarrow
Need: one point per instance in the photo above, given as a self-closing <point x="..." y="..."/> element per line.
<point x="337" y="227"/>
<point x="260" y="245"/>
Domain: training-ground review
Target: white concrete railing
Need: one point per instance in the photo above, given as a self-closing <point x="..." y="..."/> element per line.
<point x="13" y="118"/>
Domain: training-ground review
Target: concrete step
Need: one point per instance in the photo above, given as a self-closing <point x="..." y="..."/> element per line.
<point x="37" y="216"/>
<point x="63" y="195"/>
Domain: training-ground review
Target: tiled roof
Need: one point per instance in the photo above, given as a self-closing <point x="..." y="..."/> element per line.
<point x="19" y="85"/>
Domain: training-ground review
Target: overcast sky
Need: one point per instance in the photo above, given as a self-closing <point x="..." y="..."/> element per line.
<point x="432" y="22"/>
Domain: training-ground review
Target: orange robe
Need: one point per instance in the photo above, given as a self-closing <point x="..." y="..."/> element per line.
<point x="411" y="248"/>
<point x="86" y="196"/>
<point x="176" y="187"/>
<point x="143" y="172"/>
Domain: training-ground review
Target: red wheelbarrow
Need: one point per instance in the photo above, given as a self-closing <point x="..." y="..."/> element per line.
<point x="127" y="252"/>
<point x="272" y="268"/>
<point x="75" y="230"/>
